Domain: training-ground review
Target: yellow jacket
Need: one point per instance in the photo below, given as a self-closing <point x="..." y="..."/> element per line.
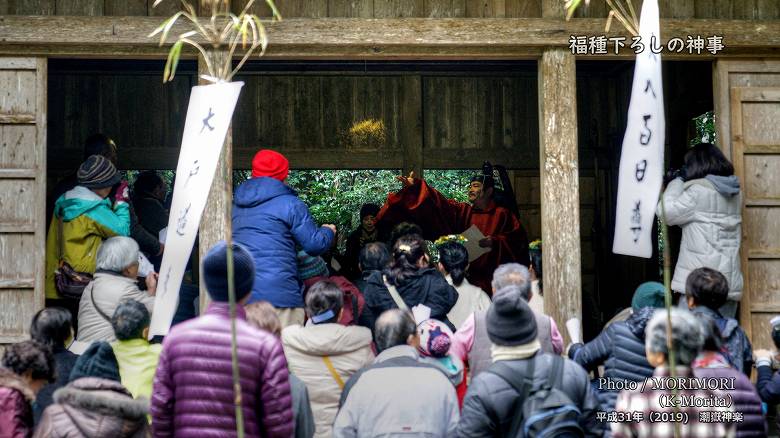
<point x="88" y="219"/>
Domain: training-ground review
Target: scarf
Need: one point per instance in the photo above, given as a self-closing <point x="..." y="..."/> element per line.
<point x="503" y="352"/>
<point x="711" y="359"/>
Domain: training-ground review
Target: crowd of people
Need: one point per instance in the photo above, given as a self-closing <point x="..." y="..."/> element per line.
<point x="406" y="339"/>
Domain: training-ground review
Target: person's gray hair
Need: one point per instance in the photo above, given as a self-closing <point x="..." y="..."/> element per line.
<point x="130" y="319"/>
<point x="116" y="254"/>
<point x="687" y="335"/>
<point x="393" y="328"/>
<point x="512" y="276"/>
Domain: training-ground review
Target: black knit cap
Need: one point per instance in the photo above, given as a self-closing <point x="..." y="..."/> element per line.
<point x="369" y="209"/>
<point x="97" y="361"/>
<point x="510" y="321"/>
<point x="97" y="172"/>
<point x="215" y="271"/>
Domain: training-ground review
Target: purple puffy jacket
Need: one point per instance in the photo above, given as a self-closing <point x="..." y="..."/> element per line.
<point x="193" y="387"/>
<point x="745" y="398"/>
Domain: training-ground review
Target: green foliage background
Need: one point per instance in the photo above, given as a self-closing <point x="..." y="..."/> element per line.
<point x="705" y="129"/>
<point x="335" y="196"/>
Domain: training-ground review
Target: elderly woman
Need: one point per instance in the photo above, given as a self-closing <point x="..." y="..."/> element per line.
<point x="687" y="340"/>
<point x="115" y="281"/>
<point x="325" y="354"/>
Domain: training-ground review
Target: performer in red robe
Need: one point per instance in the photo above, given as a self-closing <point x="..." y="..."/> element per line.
<point x="422" y="204"/>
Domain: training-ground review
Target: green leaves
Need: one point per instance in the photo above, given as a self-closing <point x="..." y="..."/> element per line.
<point x="173" y="61"/>
<point x="222" y="32"/>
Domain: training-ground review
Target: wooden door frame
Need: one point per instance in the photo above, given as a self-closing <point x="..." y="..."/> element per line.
<point x="739" y="96"/>
<point x="38" y="282"/>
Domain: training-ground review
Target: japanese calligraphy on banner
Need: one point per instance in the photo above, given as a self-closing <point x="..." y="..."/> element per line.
<point x="642" y="158"/>
<point x="208" y="118"/>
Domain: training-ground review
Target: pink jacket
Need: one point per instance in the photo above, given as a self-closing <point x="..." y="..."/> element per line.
<point x="463" y="339"/>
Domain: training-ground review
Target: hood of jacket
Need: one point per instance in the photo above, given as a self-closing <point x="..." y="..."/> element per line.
<point x="256" y="191"/>
<point x="451" y="366"/>
<point x="727" y="325"/>
<point x="326" y="339"/>
<point x="638" y="321"/>
<point x="9" y="379"/>
<point x="76" y="202"/>
<point x="91" y="403"/>
<point x="725" y="185"/>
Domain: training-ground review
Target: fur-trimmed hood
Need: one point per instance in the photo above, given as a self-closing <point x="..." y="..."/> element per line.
<point x="9" y="379"/>
<point x="104" y="396"/>
<point x="92" y="406"/>
<point x="638" y="321"/>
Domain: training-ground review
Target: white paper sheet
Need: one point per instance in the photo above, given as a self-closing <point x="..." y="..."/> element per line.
<point x="575" y="330"/>
<point x="208" y="118"/>
<point x="473" y="237"/>
<point x="642" y="158"/>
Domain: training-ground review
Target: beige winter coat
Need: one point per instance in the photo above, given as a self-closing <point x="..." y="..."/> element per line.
<point x="349" y="350"/>
<point x="109" y="290"/>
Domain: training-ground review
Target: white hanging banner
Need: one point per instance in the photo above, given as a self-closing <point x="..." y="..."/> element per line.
<point x="208" y="118"/>
<point x="642" y="158"/>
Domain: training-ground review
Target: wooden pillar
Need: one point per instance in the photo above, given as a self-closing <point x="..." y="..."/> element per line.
<point x="412" y="125"/>
<point x="215" y="224"/>
<point x="560" y="186"/>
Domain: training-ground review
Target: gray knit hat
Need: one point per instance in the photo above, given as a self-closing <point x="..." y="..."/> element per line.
<point x="97" y="172"/>
<point x="510" y="321"/>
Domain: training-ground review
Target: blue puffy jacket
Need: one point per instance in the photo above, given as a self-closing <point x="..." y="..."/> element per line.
<point x="621" y="349"/>
<point x="269" y="220"/>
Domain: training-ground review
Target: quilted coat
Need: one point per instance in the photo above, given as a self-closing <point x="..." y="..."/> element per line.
<point x="93" y="407"/>
<point x="744" y="395"/>
<point x="16" y="396"/>
<point x="709" y="212"/>
<point x="621" y="349"/>
<point x="193" y="386"/>
<point x="270" y="220"/>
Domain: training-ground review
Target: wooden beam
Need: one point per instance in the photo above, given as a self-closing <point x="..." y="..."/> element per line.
<point x="356" y="38"/>
<point x="412" y="125"/>
<point x="160" y="158"/>
<point x="560" y="196"/>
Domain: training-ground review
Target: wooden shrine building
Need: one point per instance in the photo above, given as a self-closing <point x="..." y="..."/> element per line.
<point x="455" y="82"/>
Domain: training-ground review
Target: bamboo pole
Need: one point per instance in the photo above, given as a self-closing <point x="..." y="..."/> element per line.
<point x="668" y="304"/>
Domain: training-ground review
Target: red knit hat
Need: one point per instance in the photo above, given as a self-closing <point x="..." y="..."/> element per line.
<point x="270" y="163"/>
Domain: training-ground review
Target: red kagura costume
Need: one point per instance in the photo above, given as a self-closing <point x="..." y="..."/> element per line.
<point x="437" y="216"/>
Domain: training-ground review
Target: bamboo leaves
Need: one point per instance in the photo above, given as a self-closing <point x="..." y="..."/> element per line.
<point x="621" y="10"/>
<point x="173" y="61"/>
<point x="222" y="32"/>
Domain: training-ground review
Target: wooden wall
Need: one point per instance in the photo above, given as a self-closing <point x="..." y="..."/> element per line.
<point x="465" y="117"/>
<point x="720" y="9"/>
<point x="747" y="108"/>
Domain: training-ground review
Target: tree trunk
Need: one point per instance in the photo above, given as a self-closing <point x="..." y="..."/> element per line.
<point x="560" y="187"/>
